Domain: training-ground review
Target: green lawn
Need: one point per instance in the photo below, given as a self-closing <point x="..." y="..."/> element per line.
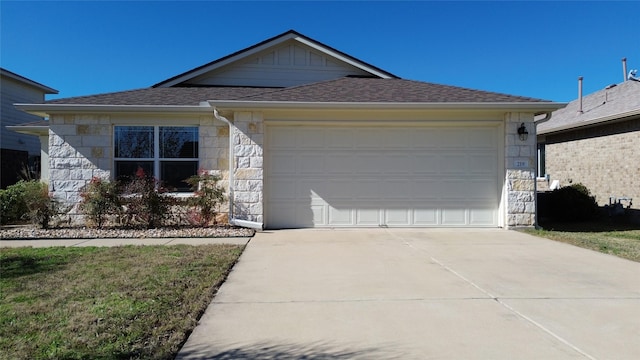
<point x="614" y="239"/>
<point x="135" y="302"/>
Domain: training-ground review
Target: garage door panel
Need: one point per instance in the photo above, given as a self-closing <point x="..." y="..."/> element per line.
<point x="454" y="216"/>
<point x="425" y="217"/>
<point x="310" y="139"/>
<point x="339" y="138"/>
<point x="368" y="216"/>
<point x="284" y="163"/>
<point x="402" y="176"/>
<point x="481" y="215"/>
<point x="341" y="215"/>
<point x="397" y="217"/>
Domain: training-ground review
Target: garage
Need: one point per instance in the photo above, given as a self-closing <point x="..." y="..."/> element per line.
<point x="390" y="176"/>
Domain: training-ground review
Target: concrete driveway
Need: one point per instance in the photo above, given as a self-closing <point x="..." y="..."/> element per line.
<point x="421" y="294"/>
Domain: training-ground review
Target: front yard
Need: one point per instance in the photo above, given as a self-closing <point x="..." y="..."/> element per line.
<point x="614" y="239"/>
<point x="135" y="302"/>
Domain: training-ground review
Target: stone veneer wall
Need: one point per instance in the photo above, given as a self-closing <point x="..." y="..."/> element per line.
<point x="520" y="163"/>
<point x="248" y="139"/>
<point x="79" y="149"/>
<point x="606" y="159"/>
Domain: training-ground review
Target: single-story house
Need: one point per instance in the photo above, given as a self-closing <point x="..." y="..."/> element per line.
<point x="18" y="150"/>
<point x="308" y="136"/>
<point x="595" y="140"/>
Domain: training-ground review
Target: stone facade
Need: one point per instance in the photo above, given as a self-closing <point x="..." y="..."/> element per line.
<point x="606" y="159"/>
<point x="248" y="138"/>
<point x="79" y="149"/>
<point x="520" y="162"/>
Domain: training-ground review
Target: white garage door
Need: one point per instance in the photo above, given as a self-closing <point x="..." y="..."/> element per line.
<point x="320" y="176"/>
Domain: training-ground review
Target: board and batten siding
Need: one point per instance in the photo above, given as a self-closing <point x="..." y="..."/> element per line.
<point x="287" y="65"/>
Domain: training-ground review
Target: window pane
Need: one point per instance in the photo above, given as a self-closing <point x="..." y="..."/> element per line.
<point x="126" y="170"/>
<point x="134" y="142"/>
<point x="179" y="142"/>
<point x="173" y="174"/>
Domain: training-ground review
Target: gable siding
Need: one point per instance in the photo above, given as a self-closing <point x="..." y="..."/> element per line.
<point x="287" y="65"/>
<point x="17" y="92"/>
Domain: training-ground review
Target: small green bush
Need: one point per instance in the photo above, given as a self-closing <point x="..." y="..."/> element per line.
<point x="208" y="195"/>
<point x="100" y="199"/>
<point x="12" y="204"/>
<point x="572" y="203"/>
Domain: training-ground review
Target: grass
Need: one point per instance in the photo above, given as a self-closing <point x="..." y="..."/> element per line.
<point x="134" y="302"/>
<point x="622" y="240"/>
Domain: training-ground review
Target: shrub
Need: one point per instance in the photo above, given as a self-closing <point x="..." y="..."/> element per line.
<point x="12" y="204"/>
<point x="100" y="198"/>
<point x="208" y="195"/>
<point x="145" y="202"/>
<point x="42" y="207"/>
<point x="572" y="203"/>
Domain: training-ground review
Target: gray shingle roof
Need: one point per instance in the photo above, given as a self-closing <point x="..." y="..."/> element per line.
<point x="343" y="90"/>
<point x="384" y="90"/>
<point x="602" y="105"/>
<point x="188" y="96"/>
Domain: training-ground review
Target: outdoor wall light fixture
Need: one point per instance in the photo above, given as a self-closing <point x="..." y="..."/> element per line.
<point x="523" y="134"/>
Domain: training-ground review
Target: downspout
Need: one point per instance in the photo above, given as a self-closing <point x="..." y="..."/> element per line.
<point x="232" y="219"/>
<point x="547" y="117"/>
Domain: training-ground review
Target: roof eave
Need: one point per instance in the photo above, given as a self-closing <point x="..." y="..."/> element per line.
<point x="44" y="110"/>
<point x="506" y="106"/>
<point x="30" y="130"/>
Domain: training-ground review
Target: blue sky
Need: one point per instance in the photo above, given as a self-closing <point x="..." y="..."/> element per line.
<point x="535" y="49"/>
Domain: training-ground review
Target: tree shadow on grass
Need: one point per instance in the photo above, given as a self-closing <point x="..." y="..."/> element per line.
<point x="290" y="351"/>
<point x="18" y="265"/>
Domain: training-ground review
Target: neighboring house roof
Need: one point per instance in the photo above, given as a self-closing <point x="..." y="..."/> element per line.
<point x="615" y="102"/>
<point x="270" y="43"/>
<point x="26" y="81"/>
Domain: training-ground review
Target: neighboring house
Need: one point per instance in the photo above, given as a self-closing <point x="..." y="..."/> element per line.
<point x="18" y="150"/>
<point x="596" y="141"/>
<point x="308" y="136"/>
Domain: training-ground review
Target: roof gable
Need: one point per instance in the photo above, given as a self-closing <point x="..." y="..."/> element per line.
<point x="288" y="59"/>
<point x="23" y="80"/>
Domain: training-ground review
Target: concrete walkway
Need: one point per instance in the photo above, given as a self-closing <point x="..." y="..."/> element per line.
<point x="421" y="294"/>
<point x="121" y="242"/>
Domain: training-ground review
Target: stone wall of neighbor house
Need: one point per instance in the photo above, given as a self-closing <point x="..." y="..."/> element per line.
<point x="520" y="163"/>
<point x="248" y="139"/>
<point x="606" y="159"/>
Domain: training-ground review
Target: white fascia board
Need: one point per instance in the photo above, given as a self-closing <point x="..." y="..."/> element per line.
<point x="45" y="109"/>
<point x="621" y="116"/>
<point x="521" y="107"/>
<point x="343" y="58"/>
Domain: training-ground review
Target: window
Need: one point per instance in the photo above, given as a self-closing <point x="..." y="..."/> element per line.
<point x="541" y="168"/>
<point x="169" y="153"/>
